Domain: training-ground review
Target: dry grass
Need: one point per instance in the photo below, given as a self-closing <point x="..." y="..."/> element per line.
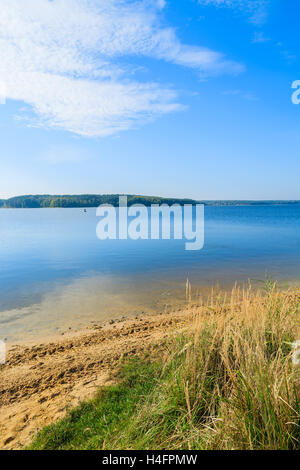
<point x="228" y="382"/>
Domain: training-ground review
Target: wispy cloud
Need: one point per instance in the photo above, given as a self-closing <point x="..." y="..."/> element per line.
<point x="259" y="37"/>
<point x="249" y="96"/>
<point x="62" y="57"/>
<point x="255" y="9"/>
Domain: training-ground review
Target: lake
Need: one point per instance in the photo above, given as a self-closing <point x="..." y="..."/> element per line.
<point x="55" y="274"/>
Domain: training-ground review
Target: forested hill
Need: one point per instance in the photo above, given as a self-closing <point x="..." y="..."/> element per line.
<point x="94" y="200"/>
<point x="84" y="200"/>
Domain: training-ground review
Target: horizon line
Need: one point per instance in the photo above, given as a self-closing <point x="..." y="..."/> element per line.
<point x="146" y="195"/>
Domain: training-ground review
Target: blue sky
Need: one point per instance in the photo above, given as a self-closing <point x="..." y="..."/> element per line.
<point x="183" y="98"/>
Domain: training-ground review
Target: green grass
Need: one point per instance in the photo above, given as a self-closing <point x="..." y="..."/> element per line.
<point x="94" y="424"/>
<point x="227" y="383"/>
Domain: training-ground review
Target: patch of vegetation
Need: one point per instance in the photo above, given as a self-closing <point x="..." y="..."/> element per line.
<point x="84" y="200"/>
<point x="227" y="383"/>
<point x="94" y="424"/>
<point x="94" y="200"/>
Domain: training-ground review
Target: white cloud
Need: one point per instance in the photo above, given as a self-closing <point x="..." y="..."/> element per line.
<point x="161" y="3"/>
<point x="259" y="37"/>
<point x="62" y="57"/>
<point x="256" y="9"/>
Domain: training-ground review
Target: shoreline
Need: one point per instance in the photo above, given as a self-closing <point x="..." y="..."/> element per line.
<point x="168" y="299"/>
<point x="145" y="300"/>
<point x="42" y="380"/>
<point x="89" y="201"/>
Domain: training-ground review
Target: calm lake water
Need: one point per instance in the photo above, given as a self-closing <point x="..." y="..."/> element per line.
<point x="55" y="274"/>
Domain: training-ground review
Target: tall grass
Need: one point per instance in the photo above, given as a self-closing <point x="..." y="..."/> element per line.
<point x="227" y="382"/>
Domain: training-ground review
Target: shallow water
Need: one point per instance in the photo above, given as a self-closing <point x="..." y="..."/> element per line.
<point x="56" y="274"/>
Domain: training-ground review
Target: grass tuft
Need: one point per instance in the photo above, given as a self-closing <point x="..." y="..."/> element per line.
<point x="227" y="382"/>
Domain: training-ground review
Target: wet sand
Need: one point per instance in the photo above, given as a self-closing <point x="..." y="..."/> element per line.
<point x="82" y="302"/>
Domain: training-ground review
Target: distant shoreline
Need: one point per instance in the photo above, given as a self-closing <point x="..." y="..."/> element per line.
<point x="94" y="200"/>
